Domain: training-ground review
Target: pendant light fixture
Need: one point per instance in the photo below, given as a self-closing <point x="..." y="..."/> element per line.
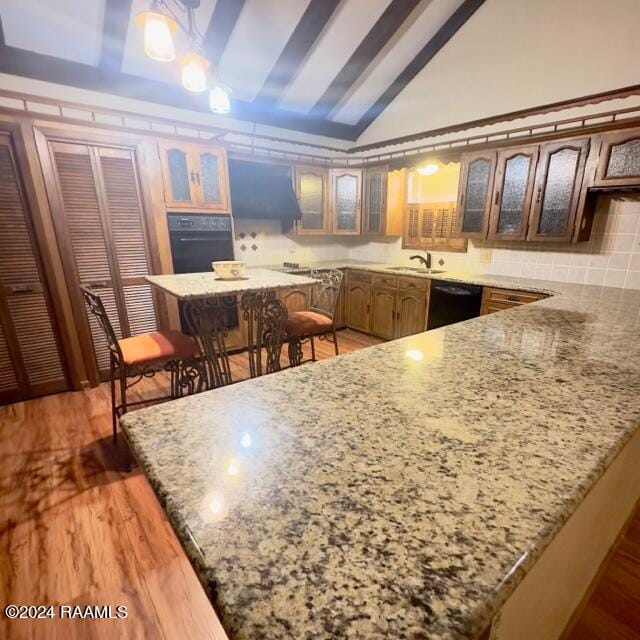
<point x="194" y="72"/>
<point x="159" y="24"/>
<point x="219" y="99"/>
<point x="158" y="38"/>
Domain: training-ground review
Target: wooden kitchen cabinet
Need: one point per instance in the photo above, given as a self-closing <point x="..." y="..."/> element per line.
<point x="383" y="312"/>
<point x="557" y="190"/>
<point x="357" y="305"/>
<point x="495" y="299"/>
<point x="411" y="307"/>
<point x="374" y="216"/>
<point x="619" y="162"/>
<point x="295" y="298"/>
<point x="346" y="201"/>
<point x="194" y="176"/>
<point x="513" y="189"/>
<point x="477" y="171"/>
<point x="312" y="191"/>
<point x="398" y="306"/>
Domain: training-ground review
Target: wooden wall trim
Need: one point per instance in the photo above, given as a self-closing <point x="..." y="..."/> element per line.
<point x="173" y="129"/>
<point x="550" y="107"/>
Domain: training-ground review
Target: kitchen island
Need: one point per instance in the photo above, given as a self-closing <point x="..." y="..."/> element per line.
<point x="405" y="490"/>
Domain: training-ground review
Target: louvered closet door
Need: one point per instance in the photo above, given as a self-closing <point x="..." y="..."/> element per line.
<point x="102" y="230"/>
<point x="30" y="356"/>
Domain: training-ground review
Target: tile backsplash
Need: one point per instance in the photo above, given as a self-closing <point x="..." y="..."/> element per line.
<point x="611" y="257"/>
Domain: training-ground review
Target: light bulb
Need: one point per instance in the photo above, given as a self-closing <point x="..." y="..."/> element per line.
<point x="427" y="169"/>
<point x="194" y="72"/>
<point x="158" y="41"/>
<point x="219" y="100"/>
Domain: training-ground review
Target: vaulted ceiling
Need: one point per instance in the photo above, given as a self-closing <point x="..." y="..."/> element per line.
<point x="328" y="67"/>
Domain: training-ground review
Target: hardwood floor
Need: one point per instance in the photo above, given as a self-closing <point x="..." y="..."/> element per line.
<point x="76" y="530"/>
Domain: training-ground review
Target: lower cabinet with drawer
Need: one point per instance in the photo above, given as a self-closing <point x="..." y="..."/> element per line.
<point x="494" y="299"/>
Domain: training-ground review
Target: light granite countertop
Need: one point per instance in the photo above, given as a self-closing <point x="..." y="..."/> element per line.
<point x="403" y="490"/>
<point x="188" y="286"/>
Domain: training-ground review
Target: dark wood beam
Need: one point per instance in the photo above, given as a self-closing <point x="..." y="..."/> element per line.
<point x="114" y="33"/>
<point x="28" y="64"/>
<point x="223" y="20"/>
<point x="444" y="34"/>
<point x="304" y="36"/>
<point x="381" y="32"/>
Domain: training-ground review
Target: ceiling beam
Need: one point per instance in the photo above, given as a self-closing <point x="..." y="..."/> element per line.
<point x="382" y="31"/>
<point x="114" y="33"/>
<point x="444" y="34"/>
<point x="29" y="64"/>
<point x="304" y="36"/>
<point x="223" y="20"/>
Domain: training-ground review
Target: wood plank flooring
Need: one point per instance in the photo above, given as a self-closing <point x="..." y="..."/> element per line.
<point x="76" y="530"/>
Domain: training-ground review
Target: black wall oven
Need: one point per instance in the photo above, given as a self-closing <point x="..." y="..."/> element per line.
<point x="197" y="240"/>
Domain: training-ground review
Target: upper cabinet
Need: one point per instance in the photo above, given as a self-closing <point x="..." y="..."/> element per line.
<point x="619" y="163"/>
<point x="513" y="189"/>
<point x="346" y="210"/>
<point x="375" y="201"/>
<point x="311" y="185"/>
<point x="474" y="200"/>
<point x="194" y="176"/>
<point x="557" y="190"/>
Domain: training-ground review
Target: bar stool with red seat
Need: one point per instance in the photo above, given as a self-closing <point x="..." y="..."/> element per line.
<point x="142" y="356"/>
<point x="319" y="321"/>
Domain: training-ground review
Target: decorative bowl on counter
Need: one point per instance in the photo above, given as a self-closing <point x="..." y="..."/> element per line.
<point x="229" y="269"/>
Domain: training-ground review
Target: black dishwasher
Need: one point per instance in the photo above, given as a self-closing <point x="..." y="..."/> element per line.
<point x="451" y="302"/>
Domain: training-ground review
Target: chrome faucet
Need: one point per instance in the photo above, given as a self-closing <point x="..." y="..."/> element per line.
<point x="425" y="261"/>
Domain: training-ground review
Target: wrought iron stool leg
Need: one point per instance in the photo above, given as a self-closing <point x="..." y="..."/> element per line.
<point x="335" y="341"/>
<point x="112" y="387"/>
<point x="313" y="349"/>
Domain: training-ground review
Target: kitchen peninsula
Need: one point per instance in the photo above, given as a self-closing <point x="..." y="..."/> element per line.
<point x="413" y="489"/>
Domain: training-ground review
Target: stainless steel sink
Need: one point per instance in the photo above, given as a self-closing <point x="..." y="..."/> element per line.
<point x="428" y="272"/>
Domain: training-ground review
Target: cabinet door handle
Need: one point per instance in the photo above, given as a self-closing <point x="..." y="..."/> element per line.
<point x="461" y="198"/>
<point x="21" y="288"/>
<point x="198" y="177"/>
<point x="513" y="298"/>
<point x="497" y="196"/>
<point x="538" y="195"/>
<point x="97" y="284"/>
<point x="193" y="177"/>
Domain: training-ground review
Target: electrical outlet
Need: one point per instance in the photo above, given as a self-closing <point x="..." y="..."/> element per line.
<point x="485" y="256"/>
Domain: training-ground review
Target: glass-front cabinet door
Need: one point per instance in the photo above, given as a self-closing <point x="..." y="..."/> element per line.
<point x="557" y="189"/>
<point x="194" y="176"/>
<point x="210" y="168"/>
<point x="512" y="193"/>
<point x="375" y="201"/>
<point x="619" y="159"/>
<point x="476" y="181"/>
<point x="311" y="191"/>
<point x="345" y="201"/>
<point x="179" y="180"/>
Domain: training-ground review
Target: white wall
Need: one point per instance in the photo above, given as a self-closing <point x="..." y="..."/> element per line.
<point x="514" y="54"/>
